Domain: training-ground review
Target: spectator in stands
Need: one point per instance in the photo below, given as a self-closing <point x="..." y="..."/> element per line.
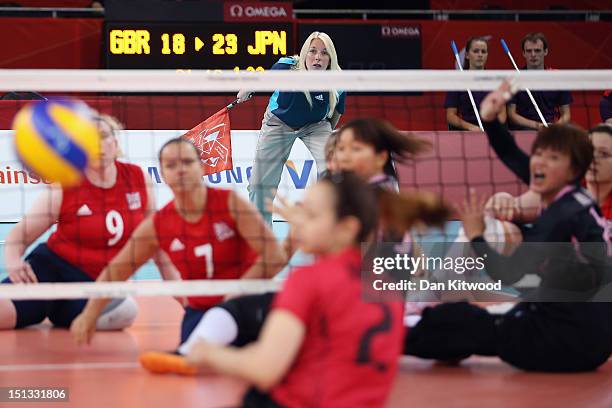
<point x="554" y="105"/>
<point x="599" y="177"/>
<point x="605" y="107"/>
<point x="460" y="113"/>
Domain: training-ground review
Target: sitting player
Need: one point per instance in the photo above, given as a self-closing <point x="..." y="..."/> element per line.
<point x="542" y="336"/>
<point x="208" y="233"/>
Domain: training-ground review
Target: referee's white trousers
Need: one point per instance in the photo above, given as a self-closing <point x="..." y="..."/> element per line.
<point x="273" y="147"/>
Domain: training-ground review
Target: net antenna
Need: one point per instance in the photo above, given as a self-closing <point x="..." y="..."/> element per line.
<point x="458" y="59"/>
<point x="535" y="105"/>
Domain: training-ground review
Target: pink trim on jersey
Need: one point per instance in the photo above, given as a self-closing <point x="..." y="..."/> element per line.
<point x="603" y="223"/>
<point x="563" y="192"/>
<point x="378" y="178"/>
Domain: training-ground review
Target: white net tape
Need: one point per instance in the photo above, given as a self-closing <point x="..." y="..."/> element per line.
<point x="47" y="291"/>
<point x="354" y="80"/>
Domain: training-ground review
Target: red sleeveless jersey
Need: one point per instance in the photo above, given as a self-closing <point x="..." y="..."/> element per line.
<point x="210" y="248"/>
<point x="350" y="353"/>
<point x="94" y="222"/>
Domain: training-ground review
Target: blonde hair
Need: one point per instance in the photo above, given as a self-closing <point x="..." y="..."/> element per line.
<point x="114" y="125"/>
<point x="112" y="122"/>
<point x="333" y="65"/>
<point x="330" y="145"/>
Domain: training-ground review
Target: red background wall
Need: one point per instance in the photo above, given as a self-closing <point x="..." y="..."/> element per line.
<point x="51" y="43"/>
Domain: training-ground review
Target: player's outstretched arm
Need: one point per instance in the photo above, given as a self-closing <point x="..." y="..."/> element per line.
<point x="140" y="247"/>
<point x="499" y="138"/>
<point x="565" y="114"/>
<point x="508" y="269"/>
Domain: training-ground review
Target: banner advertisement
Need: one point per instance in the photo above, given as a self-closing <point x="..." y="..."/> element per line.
<point x="18" y="188"/>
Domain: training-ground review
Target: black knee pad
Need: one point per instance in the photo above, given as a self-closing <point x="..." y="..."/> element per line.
<point x="249" y="312"/>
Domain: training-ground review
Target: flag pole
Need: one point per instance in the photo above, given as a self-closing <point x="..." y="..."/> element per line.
<point x="238" y="100"/>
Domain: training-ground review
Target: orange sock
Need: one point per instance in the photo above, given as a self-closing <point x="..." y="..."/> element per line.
<point x="163" y="363"/>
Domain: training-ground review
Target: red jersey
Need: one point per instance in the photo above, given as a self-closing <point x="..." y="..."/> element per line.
<point x="606" y="210"/>
<point x="351" y="348"/>
<point x="210" y="248"/>
<point x="94" y="223"/>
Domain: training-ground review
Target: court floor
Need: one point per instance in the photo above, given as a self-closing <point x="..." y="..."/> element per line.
<point x="107" y="374"/>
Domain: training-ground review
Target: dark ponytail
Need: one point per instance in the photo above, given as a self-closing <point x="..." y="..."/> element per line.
<point x="401" y="147"/>
<point x="373" y="206"/>
<point x="354" y="198"/>
<point x="399" y="212"/>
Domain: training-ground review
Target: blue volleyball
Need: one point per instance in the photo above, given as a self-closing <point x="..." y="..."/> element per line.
<point x="57" y="139"/>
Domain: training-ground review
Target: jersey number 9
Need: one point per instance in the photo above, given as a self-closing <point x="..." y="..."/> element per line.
<point x="114" y="225"/>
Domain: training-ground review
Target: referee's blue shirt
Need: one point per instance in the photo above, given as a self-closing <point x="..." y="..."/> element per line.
<point x="293" y="108"/>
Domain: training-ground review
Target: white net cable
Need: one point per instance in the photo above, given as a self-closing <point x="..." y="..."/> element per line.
<point x="284" y="80"/>
<point x="48" y="291"/>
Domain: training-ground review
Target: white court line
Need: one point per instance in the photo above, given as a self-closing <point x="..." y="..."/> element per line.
<point x="69" y="366"/>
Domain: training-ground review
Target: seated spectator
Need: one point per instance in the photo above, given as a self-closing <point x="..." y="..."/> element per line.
<point x="554" y="105"/>
<point x="459" y="110"/>
<point x="599" y="177"/>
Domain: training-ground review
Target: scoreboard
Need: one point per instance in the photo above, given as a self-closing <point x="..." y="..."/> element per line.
<point x="257" y="46"/>
<point x="224" y="46"/>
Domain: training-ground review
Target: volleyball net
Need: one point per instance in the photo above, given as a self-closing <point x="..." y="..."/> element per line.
<point x="154" y="106"/>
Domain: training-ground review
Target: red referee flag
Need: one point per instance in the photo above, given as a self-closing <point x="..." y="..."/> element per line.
<point x="213" y="141"/>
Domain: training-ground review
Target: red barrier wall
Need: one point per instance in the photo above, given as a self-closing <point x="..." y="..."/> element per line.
<point x="51" y="43"/>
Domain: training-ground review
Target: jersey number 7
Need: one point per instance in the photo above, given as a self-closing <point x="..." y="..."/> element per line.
<point x="207" y="252"/>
